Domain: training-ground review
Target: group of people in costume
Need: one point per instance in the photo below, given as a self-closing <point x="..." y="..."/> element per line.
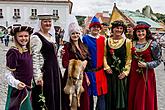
<point x="35" y="77"/>
<point x="118" y="72"/>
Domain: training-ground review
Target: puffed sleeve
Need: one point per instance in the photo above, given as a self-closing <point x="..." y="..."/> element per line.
<point x="11" y="60"/>
<point x="11" y="63"/>
<point x="128" y="57"/>
<point x="65" y="56"/>
<point x="162" y="41"/>
<point x="106" y="66"/>
<point x="156" y="55"/>
<point x="37" y="57"/>
<point x="11" y="79"/>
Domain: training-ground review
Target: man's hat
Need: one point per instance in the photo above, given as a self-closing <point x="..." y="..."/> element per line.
<point x="94" y="22"/>
<point x="20" y="29"/>
<point x="142" y="25"/>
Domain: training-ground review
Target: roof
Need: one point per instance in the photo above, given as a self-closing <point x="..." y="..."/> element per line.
<point x="133" y="17"/>
<point x="118" y="15"/>
<point x="137" y="16"/>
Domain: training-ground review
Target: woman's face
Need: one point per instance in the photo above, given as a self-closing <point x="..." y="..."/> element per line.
<point x="22" y="38"/>
<point x="46" y="24"/>
<point x="118" y="30"/>
<point x="141" y="34"/>
<point x="75" y="36"/>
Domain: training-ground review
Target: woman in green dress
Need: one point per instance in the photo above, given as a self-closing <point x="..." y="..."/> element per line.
<point x="117" y="61"/>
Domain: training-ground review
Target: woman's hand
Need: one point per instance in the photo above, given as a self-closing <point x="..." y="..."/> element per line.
<point x="121" y="75"/>
<point x="109" y="71"/>
<point x="142" y="64"/>
<point x="62" y="52"/>
<point x="21" y="85"/>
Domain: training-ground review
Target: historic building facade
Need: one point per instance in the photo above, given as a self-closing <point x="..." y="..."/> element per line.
<point x="25" y="12"/>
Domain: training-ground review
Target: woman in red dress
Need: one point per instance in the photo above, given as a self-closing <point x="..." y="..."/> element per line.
<point x="145" y="57"/>
<point x="75" y="49"/>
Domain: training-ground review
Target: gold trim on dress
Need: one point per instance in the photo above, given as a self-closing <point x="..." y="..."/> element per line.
<point x="115" y="44"/>
<point x="19" y="48"/>
<point x="10" y="68"/>
<point x="144" y="48"/>
<point x="27" y="94"/>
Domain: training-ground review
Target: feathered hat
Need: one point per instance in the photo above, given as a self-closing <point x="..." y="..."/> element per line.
<point x="95" y="21"/>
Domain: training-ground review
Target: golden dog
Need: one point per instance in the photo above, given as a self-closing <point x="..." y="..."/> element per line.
<point x="74" y="83"/>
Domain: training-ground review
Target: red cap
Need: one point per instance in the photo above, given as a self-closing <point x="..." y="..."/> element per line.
<point x="142" y="25"/>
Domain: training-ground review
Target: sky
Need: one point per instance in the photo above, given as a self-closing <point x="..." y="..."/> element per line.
<point x="90" y="7"/>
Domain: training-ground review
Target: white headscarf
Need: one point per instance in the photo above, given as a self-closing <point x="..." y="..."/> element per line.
<point x="51" y="31"/>
<point x="71" y="20"/>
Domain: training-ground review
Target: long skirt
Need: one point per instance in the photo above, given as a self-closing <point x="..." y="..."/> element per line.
<point x="18" y="99"/>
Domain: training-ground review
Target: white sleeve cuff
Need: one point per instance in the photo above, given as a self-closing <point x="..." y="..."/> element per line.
<point x="11" y="80"/>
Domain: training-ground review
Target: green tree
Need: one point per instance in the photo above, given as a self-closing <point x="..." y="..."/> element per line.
<point x="80" y="20"/>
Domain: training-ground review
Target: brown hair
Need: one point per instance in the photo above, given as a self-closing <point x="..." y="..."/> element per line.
<point x="83" y="47"/>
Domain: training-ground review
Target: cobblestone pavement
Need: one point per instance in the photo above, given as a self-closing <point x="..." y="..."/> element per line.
<point x="3" y="85"/>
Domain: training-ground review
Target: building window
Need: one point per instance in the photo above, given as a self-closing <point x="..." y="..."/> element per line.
<point x="55" y="15"/>
<point x="55" y="12"/>
<point x="0" y="12"/>
<point x="16" y="13"/>
<point x="33" y="12"/>
<point x="1" y="15"/>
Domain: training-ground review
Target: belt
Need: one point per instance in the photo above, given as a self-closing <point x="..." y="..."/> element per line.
<point x="95" y="69"/>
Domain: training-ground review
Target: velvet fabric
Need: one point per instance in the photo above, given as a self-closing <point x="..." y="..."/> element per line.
<point x="51" y="76"/>
<point x="21" y="66"/>
<point x="142" y="87"/>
